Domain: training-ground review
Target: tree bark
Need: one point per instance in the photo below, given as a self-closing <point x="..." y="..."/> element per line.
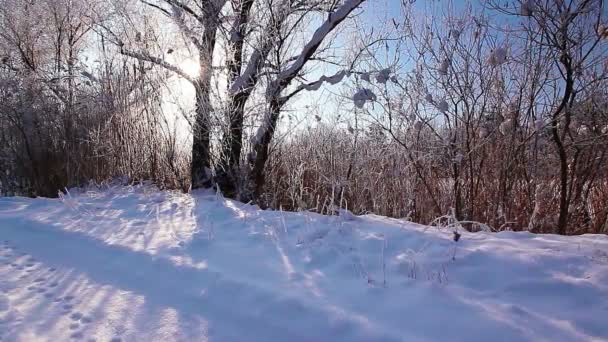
<point x="259" y="156"/>
<point x="232" y="142"/>
<point x="201" y="154"/>
<point x="201" y="159"/>
<point x="562" y="221"/>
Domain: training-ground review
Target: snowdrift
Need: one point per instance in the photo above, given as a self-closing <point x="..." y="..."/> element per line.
<point x="138" y="264"/>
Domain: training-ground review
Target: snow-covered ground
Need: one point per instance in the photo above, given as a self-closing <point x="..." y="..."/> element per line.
<point x="136" y="264"/>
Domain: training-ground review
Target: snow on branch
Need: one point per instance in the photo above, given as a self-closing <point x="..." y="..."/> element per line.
<point x="249" y="77"/>
<point x="190" y="11"/>
<point x="313" y="86"/>
<point x="159" y="62"/>
<point x="333" y="20"/>
<point x="178" y="17"/>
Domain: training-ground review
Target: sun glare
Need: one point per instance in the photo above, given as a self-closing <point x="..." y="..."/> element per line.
<point x="190" y="67"/>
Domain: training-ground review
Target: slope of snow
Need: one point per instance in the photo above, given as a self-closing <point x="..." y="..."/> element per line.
<point x="136" y="264"/>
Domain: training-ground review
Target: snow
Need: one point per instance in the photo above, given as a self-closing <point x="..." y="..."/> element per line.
<point x="455" y="33"/>
<point x="362" y="96"/>
<point x="507" y="126"/>
<point x="443" y="106"/>
<point x="527" y="8"/>
<point x="366" y="77"/>
<point x="444" y="66"/>
<point x="483" y="132"/>
<point x="383" y="76"/>
<point x="137" y="264"/>
<point x="497" y="57"/>
<point x="318" y="36"/>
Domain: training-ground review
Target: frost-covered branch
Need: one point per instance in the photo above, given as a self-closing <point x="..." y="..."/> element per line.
<point x="187" y="9"/>
<point x="160" y="62"/>
<point x="332" y="21"/>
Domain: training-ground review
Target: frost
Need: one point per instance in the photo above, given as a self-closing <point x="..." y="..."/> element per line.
<point x="335" y="79"/>
<point x="602" y="31"/>
<point x="365" y="76"/>
<point x="363" y="95"/>
<point x="527" y="8"/>
<point x="443" y="106"/>
<point x="513" y="110"/>
<point x="444" y="66"/>
<point x="383" y="76"/>
<point x="583" y="130"/>
<point x="454" y="33"/>
<point x="507" y="126"/>
<point x="429" y="98"/>
<point x="314" y="86"/>
<point x="458" y="158"/>
<point x="497" y="57"/>
<point x="396" y="105"/>
<point x="483" y="133"/>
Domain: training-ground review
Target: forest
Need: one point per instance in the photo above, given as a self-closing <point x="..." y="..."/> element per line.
<point x="493" y="114"/>
<point x="303" y="170"/>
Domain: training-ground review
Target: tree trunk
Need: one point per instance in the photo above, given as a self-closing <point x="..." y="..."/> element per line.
<point x="232" y="143"/>
<point x="257" y="158"/>
<point x="228" y="168"/>
<point x="201" y="156"/>
<point x="201" y="161"/>
<point x="564" y="204"/>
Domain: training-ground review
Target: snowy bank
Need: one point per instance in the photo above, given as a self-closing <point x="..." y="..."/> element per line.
<point x="137" y="264"/>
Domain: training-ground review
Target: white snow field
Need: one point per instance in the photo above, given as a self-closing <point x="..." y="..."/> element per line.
<point x="137" y="264"/>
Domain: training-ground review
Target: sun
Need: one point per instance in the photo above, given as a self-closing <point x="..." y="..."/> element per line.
<point x="190" y="67"/>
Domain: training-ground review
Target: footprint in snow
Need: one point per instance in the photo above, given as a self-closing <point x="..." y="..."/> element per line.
<point x="79" y="317"/>
<point x="4" y="303"/>
<point x="76" y="316"/>
<point x="77" y="335"/>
